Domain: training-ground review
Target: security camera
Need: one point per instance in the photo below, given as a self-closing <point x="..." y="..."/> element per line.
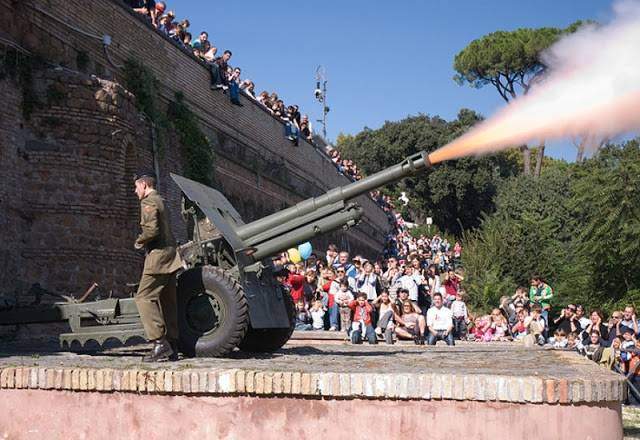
<point x="318" y="94"/>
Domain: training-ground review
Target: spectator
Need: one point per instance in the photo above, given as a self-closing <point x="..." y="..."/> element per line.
<point x="481" y="331"/>
<point x="409" y="324"/>
<point x="580" y="316"/>
<point x="329" y="304"/>
<point x="362" y="320"/>
<point x="291" y="127"/>
<point x="573" y="341"/>
<point x="305" y="129"/>
<point x="310" y="287"/>
<point x="439" y="322"/>
<point x="219" y="78"/>
<point x="343" y="298"/>
<point x="385" y="325"/>
<point x="343" y="262"/>
<point x="248" y="87"/>
<point x="460" y="316"/>
<point x="614" y="326"/>
<point x="567" y="321"/>
<point x="408" y="282"/>
<point x="296" y="280"/>
<point x="596" y="324"/>
<point x="317" y="315"/>
<point x="367" y="282"/>
<point x="303" y="318"/>
<point x="499" y="327"/>
<point x="536" y="325"/>
<point x="148" y="8"/>
<point x="593" y="350"/>
<point x="560" y="339"/>
<point x="234" y="86"/>
<point x="520" y="298"/>
<point x="541" y="293"/>
<point x="629" y="319"/>
<point x="202" y="45"/>
<point x="519" y="329"/>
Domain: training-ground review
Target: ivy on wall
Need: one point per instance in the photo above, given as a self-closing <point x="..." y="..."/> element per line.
<point x="197" y="153"/>
<point x="20" y="66"/>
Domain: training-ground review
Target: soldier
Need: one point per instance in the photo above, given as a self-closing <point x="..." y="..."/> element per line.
<point x="156" y="296"/>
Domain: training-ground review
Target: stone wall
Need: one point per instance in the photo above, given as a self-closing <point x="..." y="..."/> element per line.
<point x="66" y="202"/>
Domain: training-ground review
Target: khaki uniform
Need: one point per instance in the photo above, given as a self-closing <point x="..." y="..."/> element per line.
<point x="156" y="296"/>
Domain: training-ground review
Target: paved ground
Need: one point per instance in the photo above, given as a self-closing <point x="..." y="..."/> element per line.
<point x="631" y="422"/>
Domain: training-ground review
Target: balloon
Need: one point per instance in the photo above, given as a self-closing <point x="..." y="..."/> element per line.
<point x="294" y="255"/>
<point x="305" y="250"/>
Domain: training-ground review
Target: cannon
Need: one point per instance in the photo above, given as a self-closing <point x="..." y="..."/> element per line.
<point x="228" y="296"/>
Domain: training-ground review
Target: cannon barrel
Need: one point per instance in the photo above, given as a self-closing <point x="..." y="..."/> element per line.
<point x="407" y="167"/>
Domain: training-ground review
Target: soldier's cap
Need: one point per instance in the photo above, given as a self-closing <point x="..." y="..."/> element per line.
<point x="144" y="173"/>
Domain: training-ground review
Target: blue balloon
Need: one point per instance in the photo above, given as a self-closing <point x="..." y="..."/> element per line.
<point x="305" y="250"/>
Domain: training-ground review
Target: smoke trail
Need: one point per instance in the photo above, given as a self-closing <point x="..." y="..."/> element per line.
<point x="592" y="89"/>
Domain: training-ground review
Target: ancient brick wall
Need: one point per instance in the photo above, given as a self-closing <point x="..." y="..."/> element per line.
<point x="66" y="203"/>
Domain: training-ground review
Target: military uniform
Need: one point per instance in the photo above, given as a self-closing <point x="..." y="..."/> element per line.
<point x="156" y="296"/>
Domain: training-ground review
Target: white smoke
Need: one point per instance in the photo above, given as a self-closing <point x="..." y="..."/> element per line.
<point x="591" y="89"/>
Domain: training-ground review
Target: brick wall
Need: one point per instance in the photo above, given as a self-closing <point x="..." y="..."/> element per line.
<point x="66" y="201"/>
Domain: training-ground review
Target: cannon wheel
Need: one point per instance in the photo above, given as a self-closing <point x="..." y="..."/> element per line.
<point x="268" y="340"/>
<point x="213" y="316"/>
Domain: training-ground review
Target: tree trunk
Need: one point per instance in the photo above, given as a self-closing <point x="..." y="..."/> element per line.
<point x="539" y="159"/>
<point x="526" y="158"/>
<point x="581" y="147"/>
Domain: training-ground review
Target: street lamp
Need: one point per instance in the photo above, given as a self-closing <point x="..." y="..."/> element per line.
<point x="320" y="94"/>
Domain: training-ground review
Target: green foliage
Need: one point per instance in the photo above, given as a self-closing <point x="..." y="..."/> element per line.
<point x="453" y="193"/>
<point x="197" y="150"/>
<point x="506" y="60"/>
<point x="577" y="226"/>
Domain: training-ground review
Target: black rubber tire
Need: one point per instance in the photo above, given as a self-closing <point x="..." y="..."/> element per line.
<point x="268" y="340"/>
<point x="196" y="289"/>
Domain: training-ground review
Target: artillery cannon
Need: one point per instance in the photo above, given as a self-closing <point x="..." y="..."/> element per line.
<point x="228" y="296"/>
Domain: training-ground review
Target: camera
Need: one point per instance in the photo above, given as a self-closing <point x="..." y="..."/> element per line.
<point x="318" y="94"/>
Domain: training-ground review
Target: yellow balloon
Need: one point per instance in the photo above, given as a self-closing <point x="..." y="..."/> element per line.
<point x="294" y="255"/>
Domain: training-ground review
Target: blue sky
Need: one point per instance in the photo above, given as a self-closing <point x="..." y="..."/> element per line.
<point x="384" y="60"/>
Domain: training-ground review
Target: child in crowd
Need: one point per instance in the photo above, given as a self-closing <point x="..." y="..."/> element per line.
<point x="460" y="315"/>
<point x="362" y="320"/>
<point x="482" y="331"/>
<point x="536" y="325"/>
<point x="317" y="315"/>
<point x="520" y="298"/>
<point x="519" y="329"/>
<point x="343" y="297"/>
<point x="303" y="319"/>
<point x="559" y="339"/>
<point x="628" y="341"/>
<point x="499" y="326"/>
<point x="573" y="341"/>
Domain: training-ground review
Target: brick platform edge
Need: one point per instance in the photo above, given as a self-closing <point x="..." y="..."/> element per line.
<point x="234" y="382"/>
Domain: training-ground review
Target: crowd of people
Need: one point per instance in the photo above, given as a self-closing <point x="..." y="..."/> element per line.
<point x="224" y="77"/>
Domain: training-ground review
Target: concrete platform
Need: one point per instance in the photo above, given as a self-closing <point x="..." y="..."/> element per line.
<point x="472" y="389"/>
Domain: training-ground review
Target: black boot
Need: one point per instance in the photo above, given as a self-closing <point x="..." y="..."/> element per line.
<point x="160" y="352"/>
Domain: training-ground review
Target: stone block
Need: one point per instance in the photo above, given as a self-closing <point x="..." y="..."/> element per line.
<point x="479" y="388"/>
<point x="268" y="383"/>
<point x="202" y="381"/>
<point x="436" y="386"/>
<point x="168" y="381"/>
<point x="212" y="382"/>
<point x="287" y="377"/>
<point x="83" y="380"/>
<point x="259" y="382"/>
<point x="91" y="379"/>
<point x="49" y="379"/>
<point x="491" y="388"/>
<point x="278" y="382"/>
<point x="458" y="392"/>
<point x="176" y="380"/>
<point x="447" y="386"/>
<point x="57" y="381"/>
<point x="369" y="385"/>
<point x="158" y="381"/>
<point x="516" y="393"/>
<point x="67" y="379"/>
<point x="75" y="379"/>
<point x="34" y="376"/>
<point x="241" y="385"/>
<point x="550" y="393"/>
<point x="99" y="378"/>
<point x="563" y="391"/>
<point x="357" y="384"/>
<point x="107" y="380"/>
<point x="195" y="382"/>
<point x="250" y="382"/>
<point x="296" y="382"/>
<point x="18" y="383"/>
<point x="186" y="382"/>
<point x="468" y="384"/>
<point x="227" y="381"/>
<point x="345" y="384"/>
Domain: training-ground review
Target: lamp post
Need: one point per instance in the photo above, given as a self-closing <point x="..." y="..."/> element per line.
<point x="321" y="96"/>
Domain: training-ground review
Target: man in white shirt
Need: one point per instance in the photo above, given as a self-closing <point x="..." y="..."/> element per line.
<point x="408" y="281"/>
<point x="439" y="322"/>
